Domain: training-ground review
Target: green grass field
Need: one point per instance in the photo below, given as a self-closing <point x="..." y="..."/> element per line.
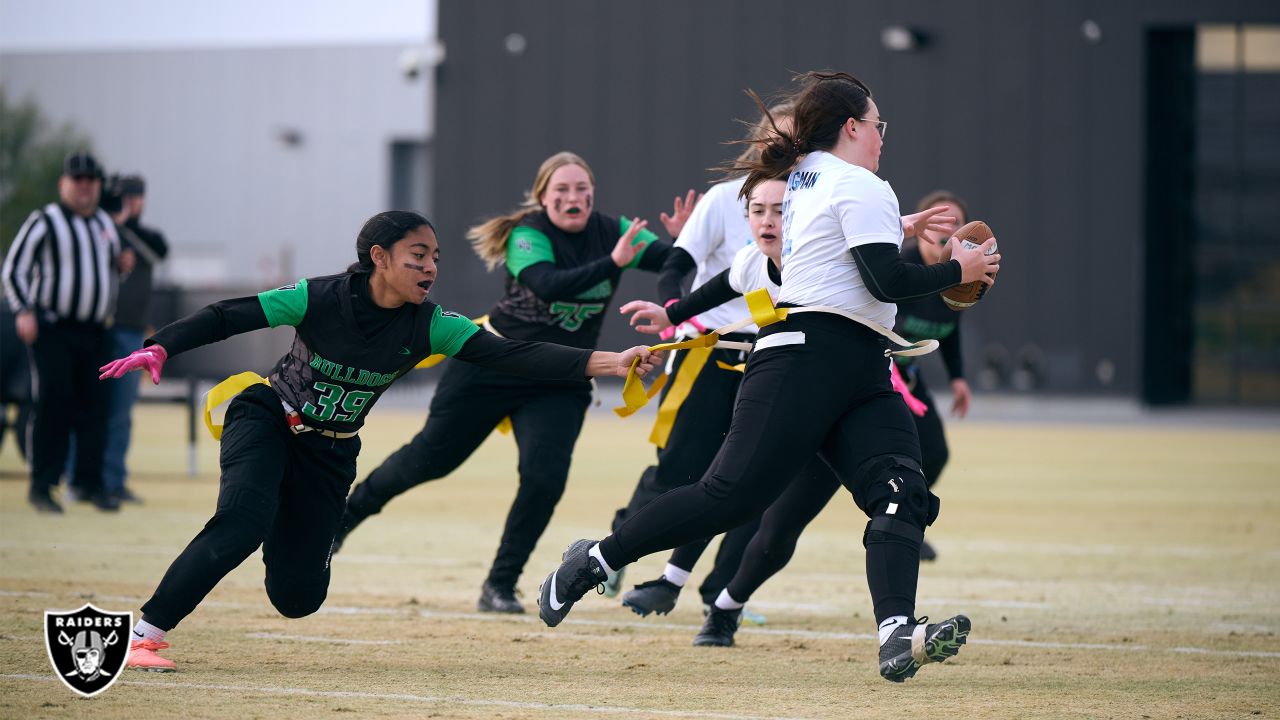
<point x="1118" y="571"/>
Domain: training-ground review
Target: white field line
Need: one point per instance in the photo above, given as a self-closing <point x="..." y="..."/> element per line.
<point x="430" y="699"/>
<point x="781" y="632"/>
<point x="318" y="639"/>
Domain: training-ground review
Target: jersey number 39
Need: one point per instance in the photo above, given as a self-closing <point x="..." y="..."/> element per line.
<point x="333" y="398"/>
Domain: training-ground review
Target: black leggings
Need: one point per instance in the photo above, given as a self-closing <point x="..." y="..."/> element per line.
<point x="696" y="434"/>
<point x="278" y="490"/>
<point x="470" y="401"/>
<point x="933" y="440"/>
<point x="818" y="385"/>
<point x="774" y="543"/>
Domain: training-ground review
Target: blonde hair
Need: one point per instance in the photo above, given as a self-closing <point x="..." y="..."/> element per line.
<point x="489" y="238"/>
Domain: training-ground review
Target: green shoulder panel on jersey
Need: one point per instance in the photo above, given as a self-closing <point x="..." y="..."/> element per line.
<point x="643" y="237"/>
<point x="527" y="246"/>
<point x="285" y="305"/>
<point x="449" y="331"/>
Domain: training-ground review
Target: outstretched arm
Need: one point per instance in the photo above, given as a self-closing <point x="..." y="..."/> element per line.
<point x="210" y="324"/>
<point x="549" y="361"/>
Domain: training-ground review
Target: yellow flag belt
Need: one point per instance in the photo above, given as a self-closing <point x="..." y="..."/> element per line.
<point x="763" y="314"/>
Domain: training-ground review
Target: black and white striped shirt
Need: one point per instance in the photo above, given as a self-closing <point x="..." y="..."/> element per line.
<point x="63" y="266"/>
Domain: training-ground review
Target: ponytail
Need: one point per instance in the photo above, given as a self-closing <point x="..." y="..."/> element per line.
<point x="821" y="105"/>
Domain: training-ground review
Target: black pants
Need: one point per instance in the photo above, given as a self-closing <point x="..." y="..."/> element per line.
<point x="771" y="548"/>
<point x="68" y="397"/>
<point x="774" y="543"/>
<point x="282" y="491"/>
<point x="696" y="434"/>
<point x="470" y="401"/>
<point x="933" y="440"/>
<point x="829" y="395"/>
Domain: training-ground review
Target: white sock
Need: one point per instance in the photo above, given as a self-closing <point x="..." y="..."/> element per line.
<point x="888" y="626"/>
<point x="676" y="576"/>
<point x="724" y="601"/>
<point x="595" y="553"/>
<point x="146" y="631"/>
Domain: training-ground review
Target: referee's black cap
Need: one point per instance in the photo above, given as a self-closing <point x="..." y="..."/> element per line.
<point x="80" y="164"/>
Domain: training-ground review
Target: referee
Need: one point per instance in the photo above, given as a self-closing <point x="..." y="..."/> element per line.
<point x="60" y="278"/>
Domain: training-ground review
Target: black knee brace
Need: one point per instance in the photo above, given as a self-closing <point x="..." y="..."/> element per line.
<point x="892" y="491"/>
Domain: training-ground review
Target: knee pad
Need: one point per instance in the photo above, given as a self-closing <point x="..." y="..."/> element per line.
<point x="892" y="491"/>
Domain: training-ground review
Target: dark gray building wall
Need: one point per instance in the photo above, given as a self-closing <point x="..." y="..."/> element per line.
<point x="1008" y="104"/>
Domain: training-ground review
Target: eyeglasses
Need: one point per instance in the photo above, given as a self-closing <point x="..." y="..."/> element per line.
<point x="881" y="125"/>
<point x="84" y="178"/>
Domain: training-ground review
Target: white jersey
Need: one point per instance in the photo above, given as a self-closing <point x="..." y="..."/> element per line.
<point x="750" y="271"/>
<point x="713" y="235"/>
<point x="831" y="206"/>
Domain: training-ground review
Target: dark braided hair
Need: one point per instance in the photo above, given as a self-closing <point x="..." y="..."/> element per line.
<point x="384" y="229"/>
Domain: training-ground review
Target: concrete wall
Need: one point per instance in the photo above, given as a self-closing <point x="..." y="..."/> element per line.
<point x="210" y="130"/>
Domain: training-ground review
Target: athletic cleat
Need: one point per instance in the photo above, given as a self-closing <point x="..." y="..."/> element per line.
<point x="752" y="617"/>
<point x="719" y="627"/>
<point x="927" y="553"/>
<point x="578" y="573"/>
<point x="656" y="596"/>
<point x="914" y="644"/>
<point x="142" y="656"/>
<point x="613" y="583"/>
<point x="499" y="600"/>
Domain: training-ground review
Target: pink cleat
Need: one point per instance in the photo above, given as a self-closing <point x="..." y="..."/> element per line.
<point x="142" y="656"/>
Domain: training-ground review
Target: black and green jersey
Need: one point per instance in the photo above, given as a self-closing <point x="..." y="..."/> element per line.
<point x="929" y="318"/>
<point x="559" y="285"/>
<point x="337" y="366"/>
<point x="346" y="350"/>
<point x="334" y="371"/>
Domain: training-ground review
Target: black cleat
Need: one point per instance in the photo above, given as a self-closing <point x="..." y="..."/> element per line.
<point x="43" y="502"/>
<point x="719" y="627"/>
<point x="914" y="644"/>
<point x="927" y="553"/>
<point x="578" y="573"/>
<point x="499" y="600"/>
<point x="656" y="596"/>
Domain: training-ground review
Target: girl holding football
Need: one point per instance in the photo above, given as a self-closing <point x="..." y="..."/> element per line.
<point x="818" y="381"/>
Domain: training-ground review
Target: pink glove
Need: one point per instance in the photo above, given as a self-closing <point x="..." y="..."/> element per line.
<point x="150" y="359"/>
<point x="900" y="387"/>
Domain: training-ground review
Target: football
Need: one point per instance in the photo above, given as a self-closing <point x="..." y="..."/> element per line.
<point x="965" y="296"/>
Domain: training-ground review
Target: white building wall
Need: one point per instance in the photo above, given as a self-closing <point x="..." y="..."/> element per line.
<point x="239" y="205"/>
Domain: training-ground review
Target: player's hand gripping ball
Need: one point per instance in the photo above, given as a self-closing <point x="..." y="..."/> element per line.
<point x="965" y="296"/>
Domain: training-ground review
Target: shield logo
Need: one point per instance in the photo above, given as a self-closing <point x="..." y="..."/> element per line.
<point x="87" y="647"/>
